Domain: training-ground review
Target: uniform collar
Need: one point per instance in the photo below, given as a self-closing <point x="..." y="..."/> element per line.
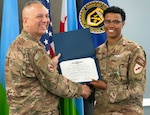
<point x="30" y="37"/>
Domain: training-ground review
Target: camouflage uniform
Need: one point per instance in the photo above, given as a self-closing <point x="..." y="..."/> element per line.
<point x="123" y="68"/>
<point x="31" y="88"/>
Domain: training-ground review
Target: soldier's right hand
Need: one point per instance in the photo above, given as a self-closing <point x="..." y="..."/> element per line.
<point x="86" y="91"/>
<point x="98" y="84"/>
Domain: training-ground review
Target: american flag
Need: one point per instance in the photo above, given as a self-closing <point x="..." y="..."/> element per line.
<point x="47" y="39"/>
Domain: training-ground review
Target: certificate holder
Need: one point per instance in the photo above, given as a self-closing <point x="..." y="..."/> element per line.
<point x="74" y="46"/>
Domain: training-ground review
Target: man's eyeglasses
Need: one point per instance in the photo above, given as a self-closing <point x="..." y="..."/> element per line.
<point x="115" y="22"/>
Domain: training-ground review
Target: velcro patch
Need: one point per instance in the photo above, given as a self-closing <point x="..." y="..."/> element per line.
<point x="140" y="61"/>
<point x="43" y="60"/>
<point x="138" y="68"/>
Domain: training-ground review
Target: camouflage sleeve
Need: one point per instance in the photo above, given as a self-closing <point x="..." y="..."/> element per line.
<point x="52" y="80"/>
<point x="136" y="76"/>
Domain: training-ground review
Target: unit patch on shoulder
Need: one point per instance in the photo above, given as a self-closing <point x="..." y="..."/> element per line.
<point x="91" y="16"/>
<point x="140" y="64"/>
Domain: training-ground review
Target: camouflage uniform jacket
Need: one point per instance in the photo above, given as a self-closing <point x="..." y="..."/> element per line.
<point x="31" y="88"/>
<point x="123" y="68"/>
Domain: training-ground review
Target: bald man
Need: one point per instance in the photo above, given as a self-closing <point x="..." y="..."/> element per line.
<point x="33" y="83"/>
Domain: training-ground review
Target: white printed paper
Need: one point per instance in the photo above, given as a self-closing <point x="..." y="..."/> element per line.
<point x="79" y="70"/>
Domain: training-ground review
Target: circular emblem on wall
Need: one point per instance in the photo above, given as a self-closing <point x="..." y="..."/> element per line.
<point x="91" y="16"/>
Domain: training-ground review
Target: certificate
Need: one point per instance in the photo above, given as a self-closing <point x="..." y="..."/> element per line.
<point x="77" y="61"/>
<point x="79" y="70"/>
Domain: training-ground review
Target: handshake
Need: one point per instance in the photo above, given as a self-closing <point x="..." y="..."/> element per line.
<point x="88" y="91"/>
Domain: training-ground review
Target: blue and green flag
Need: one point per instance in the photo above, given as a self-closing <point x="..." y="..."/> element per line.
<point x="9" y="31"/>
<point x="70" y="106"/>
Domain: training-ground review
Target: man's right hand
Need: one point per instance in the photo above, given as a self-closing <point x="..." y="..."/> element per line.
<point x="86" y="91"/>
<point x="98" y="84"/>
